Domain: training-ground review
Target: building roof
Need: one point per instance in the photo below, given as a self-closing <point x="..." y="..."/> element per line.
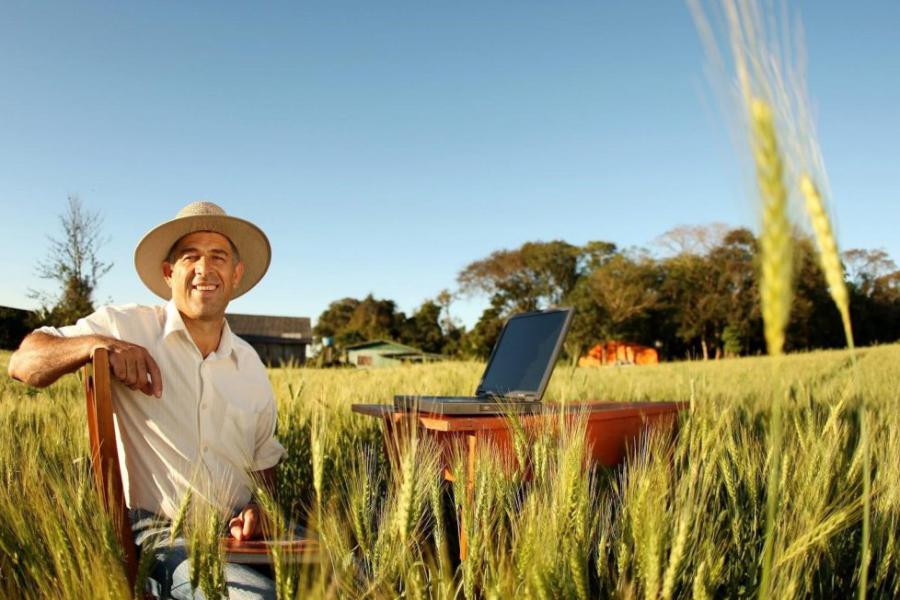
<point x="287" y="328"/>
<point x="396" y="351"/>
<point x="393" y="345"/>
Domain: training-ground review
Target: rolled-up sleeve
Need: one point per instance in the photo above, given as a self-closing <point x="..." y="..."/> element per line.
<point x="99" y="322"/>
<point x="268" y="450"/>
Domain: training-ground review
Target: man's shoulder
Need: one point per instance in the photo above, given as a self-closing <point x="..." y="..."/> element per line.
<point x="133" y="309"/>
<point x="133" y="312"/>
<point x="133" y="320"/>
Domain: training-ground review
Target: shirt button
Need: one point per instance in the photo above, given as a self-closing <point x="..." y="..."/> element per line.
<point x="203" y="406"/>
<point x="205" y="449"/>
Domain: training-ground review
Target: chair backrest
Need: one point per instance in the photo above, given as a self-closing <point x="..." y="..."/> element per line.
<point x="104" y="456"/>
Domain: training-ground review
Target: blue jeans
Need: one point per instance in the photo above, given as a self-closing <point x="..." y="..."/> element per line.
<point x="170" y="576"/>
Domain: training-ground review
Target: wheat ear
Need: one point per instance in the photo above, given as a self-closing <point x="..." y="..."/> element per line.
<point x="775" y="240"/>
<point x="828" y="252"/>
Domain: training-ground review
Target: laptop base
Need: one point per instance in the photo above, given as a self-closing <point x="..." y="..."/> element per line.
<point x="465" y="405"/>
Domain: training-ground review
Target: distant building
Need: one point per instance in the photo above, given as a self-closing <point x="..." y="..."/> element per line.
<point x="384" y="353"/>
<point x="277" y="340"/>
<point x="619" y="353"/>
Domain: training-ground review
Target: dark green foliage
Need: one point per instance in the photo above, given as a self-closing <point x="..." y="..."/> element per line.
<point x="14" y="325"/>
<point x="731" y="341"/>
<point x="701" y="299"/>
<point x="534" y="275"/>
<point x="874" y="295"/>
<point x="350" y="321"/>
<point x="479" y="342"/>
<point x="423" y="329"/>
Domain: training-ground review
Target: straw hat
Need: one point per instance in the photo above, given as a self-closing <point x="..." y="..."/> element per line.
<point x="251" y="242"/>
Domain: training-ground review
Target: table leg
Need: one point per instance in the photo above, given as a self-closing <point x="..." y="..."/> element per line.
<point x="390" y="440"/>
<point x="471" y="443"/>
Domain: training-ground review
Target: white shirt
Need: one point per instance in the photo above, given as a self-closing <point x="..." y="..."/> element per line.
<point x="214" y="424"/>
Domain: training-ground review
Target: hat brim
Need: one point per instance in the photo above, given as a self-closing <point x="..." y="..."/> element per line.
<point x="251" y="243"/>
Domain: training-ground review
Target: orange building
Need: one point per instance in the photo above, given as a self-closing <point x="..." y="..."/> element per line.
<point x="619" y="353"/>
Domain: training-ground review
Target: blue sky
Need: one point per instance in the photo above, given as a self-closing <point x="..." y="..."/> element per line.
<point x="384" y="146"/>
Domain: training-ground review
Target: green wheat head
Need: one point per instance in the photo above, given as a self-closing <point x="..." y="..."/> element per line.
<point x="829" y="256"/>
<point x="776" y="240"/>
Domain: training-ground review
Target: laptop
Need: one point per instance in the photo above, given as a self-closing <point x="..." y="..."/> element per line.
<point x="516" y="374"/>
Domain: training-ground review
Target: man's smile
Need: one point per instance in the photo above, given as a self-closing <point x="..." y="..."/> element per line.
<point x="205" y="288"/>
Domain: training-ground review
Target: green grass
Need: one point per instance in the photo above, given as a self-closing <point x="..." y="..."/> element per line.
<point x="680" y="519"/>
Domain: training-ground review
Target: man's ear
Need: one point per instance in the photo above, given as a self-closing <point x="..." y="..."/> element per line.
<point x="167" y="273"/>
<point x="238" y="274"/>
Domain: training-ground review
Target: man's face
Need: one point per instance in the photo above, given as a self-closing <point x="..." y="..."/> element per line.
<point x="203" y="275"/>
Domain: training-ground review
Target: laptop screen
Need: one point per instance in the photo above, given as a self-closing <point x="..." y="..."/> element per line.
<point x="524" y="353"/>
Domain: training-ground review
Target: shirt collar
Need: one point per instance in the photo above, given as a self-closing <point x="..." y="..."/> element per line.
<point x="174" y="323"/>
<point x="226" y="344"/>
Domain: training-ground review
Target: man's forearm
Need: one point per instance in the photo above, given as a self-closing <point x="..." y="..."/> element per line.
<point x="43" y="358"/>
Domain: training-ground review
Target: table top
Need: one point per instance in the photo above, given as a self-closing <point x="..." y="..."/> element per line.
<point x="259" y="552"/>
<point x="592" y="411"/>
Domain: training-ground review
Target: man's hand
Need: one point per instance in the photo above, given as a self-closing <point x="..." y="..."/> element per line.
<point x="247" y="525"/>
<point x="133" y="366"/>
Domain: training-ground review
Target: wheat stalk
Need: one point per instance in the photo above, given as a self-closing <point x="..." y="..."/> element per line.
<point x="834" y="277"/>
<point x="317" y="434"/>
<point x="405" y="517"/>
<point x="436" y="499"/>
<point x="177" y="529"/>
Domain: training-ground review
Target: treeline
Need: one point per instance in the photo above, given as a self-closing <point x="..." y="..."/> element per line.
<point x="698" y="299"/>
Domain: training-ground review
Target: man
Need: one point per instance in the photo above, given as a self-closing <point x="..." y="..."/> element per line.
<point x="194" y="406"/>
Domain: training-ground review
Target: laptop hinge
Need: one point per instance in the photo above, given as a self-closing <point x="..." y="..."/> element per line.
<point x="528" y="396"/>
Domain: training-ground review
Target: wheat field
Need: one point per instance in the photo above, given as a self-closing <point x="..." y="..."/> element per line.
<point x="680" y="519"/>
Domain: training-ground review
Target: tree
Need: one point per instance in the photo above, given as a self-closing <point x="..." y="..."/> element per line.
<point x="626" y="288"/>
<point x="588" y="323"/>
<point x="691" y="290"/>
<point x="333" y="320"/>
<point x="479" y="342"/>
<point x="815" y="321"/>
<point x="715" y="291"/>
<point x="553" y="266"/>
<point x="350" y="321"/>
<point x="594" y="255"/>
<point x="692" y="239"/>
<point x="874" y="283"/>
<point x="452" y="330"/>
<point x="734" y="263"/>
<point x="376" y="319"/>
<point x="535" y="275"/>
<point x="74" y="264"/>
<point x="423" y="329"/>
<point x="865" y="268"/>
<point x="14" y="326"/>
<point x="444" y="299"/>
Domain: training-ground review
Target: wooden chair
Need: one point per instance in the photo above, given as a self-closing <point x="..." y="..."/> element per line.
<point x="108" y="477"/>
<point x="105" y="457"/>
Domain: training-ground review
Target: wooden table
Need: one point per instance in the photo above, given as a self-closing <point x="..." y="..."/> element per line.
<point x="259" y="552"/>
<point x="610" y="428"/>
